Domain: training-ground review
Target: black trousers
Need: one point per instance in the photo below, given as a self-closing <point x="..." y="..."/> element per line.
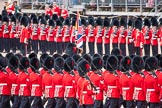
<point x="13" y="44"/>
<point x="65" y="45"/>
<point x="5" y="102"/>
<point x="51" y="47"/>
<point x="43" y="46"/>
<point x="154" y="50"/>
<point x="7" y="44"/>
<point x="24" y="102"/>
<point x="1" y="44"/>
<point x="84" y="48"/>
<point x="59" y="46"/>
<point x="123" y="48"/>
<point x="29" y="46"/>
<point x="71" y="103"/>
<point x="86" y="106"/>
<point x="18" y="46"/>
<point x="137" y="50"/>
<point x="154" y="105"/>
<point x="115" y="45"/>
<point x="147" y="49"/>
<point x="91" y="48"/>
<point x="131" y="48"/>
<point x="141" y="104"/>
<point x="23" y="48"/>
<point x="98" y="104"/>
<point x="107" y="48"/>
<point x="35" y="45"/>
<point x="37" y="103"/>
<point x="16" y="102"/>
<point x="130" y="104"/>
<point x="60" y="103"/>
<point x="99" y="48"/>
<point x="51" y="103"/>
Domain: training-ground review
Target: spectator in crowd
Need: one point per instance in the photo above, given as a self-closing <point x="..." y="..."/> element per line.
<point x="10" y="7"/>
<point x="64" y="12"/>
<point x="56" y="9"/>
<point x="17" y="8"/>
<point x="150" y="3"/>
<point x="48" y="10"/>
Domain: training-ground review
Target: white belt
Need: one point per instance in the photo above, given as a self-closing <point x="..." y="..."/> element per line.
<point x="112" y="86"/>
<point x="58" y="86"/>
<point x="35" y="85"/>
<point x="97" y="88"/>
<point x="84" y="92"/>
<point x="23" y="85"/>
<point x="137" y="88"/>
<point x="14" y="85"/>
<point x="3" y="84"/>
<point x="125" y="88"/>
<point x="68" y="87"/>
<point x="48" y="86"/>
<point x="150" y="90"/>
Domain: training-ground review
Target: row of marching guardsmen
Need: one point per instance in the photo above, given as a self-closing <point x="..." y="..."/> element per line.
<point x="72" y="81"/>
<point x="53" y="33"/>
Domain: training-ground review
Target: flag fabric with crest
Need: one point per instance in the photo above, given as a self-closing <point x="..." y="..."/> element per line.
<point x="79" y="32"/>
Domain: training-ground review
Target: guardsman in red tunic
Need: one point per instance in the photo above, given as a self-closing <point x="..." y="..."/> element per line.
<point x="97" y="79"/>
<point x="6" y="33"/>
<point x="59" y="36"/>
<point x="106" y="35"/>
<point x="151" y="86"/>
<point x="147" y="36"/>
<point x="64" y="12"/>
<point x="130" y="37"/>
<point x="51" y="37"/>
<point x="24" y="83"/>
<point x="47" y="79"/>
<point x="43" y="57"/>
<point x="138" y="37"/>
<point x="126" y="83"/>
<point x="24" y="35"/>
<point x="69" y="83"/>
<point x="35" y="79"/>
<point x="111" y="82"/>
<point x="48" y="10"/>
<point x="154" y="36"/>
<point x="1" y="35"/>
<point x="84" y="35"/>
<point x="56" y="9"/>
<point x="58" y="82"/>
<point x="13" y="77"/>
<point x="84" y="85"/>
<point x="43" y="35"/>
<point x="13" y="34"/>
<point x="160" y="33"/>
<point x="90" y="35"/>
<point x="122" y="36"/>
<point x="114" y="33"/>
<point x="5" y="84"/>
<point x="98" y="35"/>
<point x="138" y="77"/>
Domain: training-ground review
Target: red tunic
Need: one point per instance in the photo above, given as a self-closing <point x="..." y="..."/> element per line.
<point x="6" y="31"/>
<point x="138" y="38"/>
<point x="122" y="36"/>
<point x="56" y="10"/>
<point x="51" y="35"/>
<point x="106" y="34"/>
<point x="160" y="35"/>
<point x="10" y="9"/>
<point x="98" y="34"/>
<point x="13" y="31"/>
<point x="59" y="34"/>
<point x="34" y="33"/>
<point x="66" y="34"/>
<point x="48" y="12"/>
<point x="42" y="33"/>
<point x="64" y="13"/>
<point x="23" y="35"/>
<point x="160" y="83"/>
<point x="147" y="36"/>
<point x="154" y="37"/>
<point x="1" y="29"/>
<point x="91" y="35"/>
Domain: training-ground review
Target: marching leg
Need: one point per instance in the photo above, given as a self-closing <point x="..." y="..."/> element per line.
<point x="107" y="48"/>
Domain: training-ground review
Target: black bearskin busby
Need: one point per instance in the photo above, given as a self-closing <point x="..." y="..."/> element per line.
<point x="115" y="22"/>
<point x="83" y="68"/>
<point x="58" y="23"/>
<point x="137" y="64"/>
<point x="112" y="63"/>
<point x="61" y="19"/>
<point x="116" y="51"/>
<point x="147" y="22"/>
<point x="96" y="55"/>
<point x="106" y="22"/>
<point x="35" y="20"/>
<point x="151" y="63"/>
<point x="43" y="21"/>
<point x="125" y="64"/>
<point x="83" y="21"/>
<point x="72" y="49"/>
<point x="154" y="22"/>
<point x="24" y="63"/>
<point x="49" y="62"/>
<point x="97" y="64"/>
<point x="87" y="57"/>
<point x="32" y="55"/>
<point x="13" y="62"/>
<point x="65" y="56"/>
<point x="54" y="17"/>
<point x="34" y="64"/>
<point x="138" y="24"/>
<point x="5" y="18"/>
<point x="59" y="64"/>
<point x="123" y="22"/>
<point x="67" y="22"/>
<point x="43" y="58"/>
<point x="8" y="55"/>
<point x="130" y="22"/>
<point x="24" y="21"/>
<point x="51" y="23"/>
<point x="76" y="57"/>
<point x="99" y="21"/>
<point x="104" y="58"/>
<point x="69" y="64"/>
<point x="3" y="62"/>
<point x="13" y="19"/>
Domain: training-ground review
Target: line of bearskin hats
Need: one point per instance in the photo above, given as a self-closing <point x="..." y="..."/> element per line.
<point x="83" y="68"/>
<point x="147" y="22"/>
<point x="116" y="51"/>
<point x="130" y="22"/>
<point x="112" y="63"/>
<point x="154" y="21"/>
<point x="24" y="21"/>
<point x="49" y="62"/>
<point x="34" y="64"/>
<point x="106" y="22"/>
<point x="99" y="21"/>
<point x="59" y="64"/>
<point x="137" y="64"/>
<point x="123" y="22"/>
<point x="88" y="58"/>
<point x="13" y="62"/>
<point x="138" y="24"/>
<point x="67" y="22"/>
<point x="43" y="21"/>
<point x="69" y="64"/>
<point x="83" y="21"/>
<point x="61" y="19"/>
<point x="43" y="58"/>
<point x="125" y="64"/>
<point x="24" y="63"/>
<point x="51" y="23"/>
<point x="151" y="63"/>
<point x="97" y="63"/>
<point x="58" y="23"/>
<point x="91" y="20"/>
<point x="3" y="62"/>
<point x="115" y="22"/>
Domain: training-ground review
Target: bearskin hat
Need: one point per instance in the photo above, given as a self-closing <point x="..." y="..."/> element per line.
<point x="158" y="57"/>
<point x="8" y="55"/>
<point x="13" y="19"/>
<point x="19" y="55"/>
<point x="39" y="18"/>
<point x="71" y="49"/>
<point x="138" y="24"/>
<point x="83" y="68"/>
<point x="32" y="55"/>
<point x="104" y="58"/>
<point x="154" y="22"/>
<point x="5" y="18"/>
<point x="14" y="62"/>
<point x="58" y="23"/>
<point x="24" y="21"/>
<point x="54" y="17"/>
<point x="145" y="57"/>
<point x="91" y="21"/>
<point x="43" y="57"/>
<point x="59" y="64"/>
<point x="130" y="22"/>
<point x="99" y="21"/>
<point x="34" y="64"/>
<point x="0" y="17"/>
<point x="24" y="63"/>
<point x="96" y="55"/>
<point x="67" y="22"/>
<point x="4" y="12"/>
<point x="35" y="20"/>
<point x="3" y="62"/>
<point x="19" y="18"/>
<point x="83" y="21"/>
<point x="51" y="23"/>
<point x="47" y="17"/>
<point x="123" y="22"/>
<point x="61" y="19"/>
<point x="43" y="21"/>
<point x="125" y="64"/>
<point x="112" y="63"/>
<point x="119" y="57"/>
<point x="65" y="56"/>
<point x="147" y="22"/>
<point x="56" y="55"/>
<point x="97" y="63"/>
<point x="32" y="16"/>
<point x="160" y="21"/>
<point x="106" y="22"/>
<point x="132" y="56"/>
<point x="49" y="62"/>
<point x="88" y="58"/>
<point x="137" y="64"/>
<point x="151" y="63"/>
<point x="116" y="51"/>
<point x="76" y="57"/>
<point x="73" y="23"/>
<point x="69" y="64"/>
<point x="115" y="22"/>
